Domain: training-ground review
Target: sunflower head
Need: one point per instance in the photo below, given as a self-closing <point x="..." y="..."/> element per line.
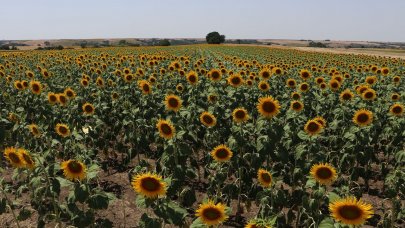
<point x="363" y="117"/>
<point x="313" y="127"/>
<point x="62" y="130"/>
<point x="70" y="93"/>
<point x="14" y="156"/>
<point x="36" y="87"/>
<point x="88" y="108"/>
<point x="26" y="158"/>
<point x="295" y="96"/>
<point x="221" y="153"/>
<point x="268" y="107"/>
<point x="179" y="88"/>
<point x="145" y="87"/>
<point x="323" y="173"/>
<point x="208" y="119"/>
<point x="395" y="96"/>
<point x="173" y="103"/>
<point x="235" y="80"/>
<point x="297" y="106"/>
<point x="33" y="128"/>
<point x="265" y="73"/>
<point x="192" y="77"/>
<point x="291" y="83"/>
<point x="215" y="75"/>
<point x="265" y="178"/>
<point x="396" y="79"/>
<point x="397" y="109"/>
<point x="351" y="211"/>
<point x="73" y="169"/>
<point x="346" y="95"/>
<point x="240" y="115"/>
<point x="305" y="74"/>
<point x="62" y="99"/>
<point x="166" y="129"/>
<point x="149" y="185"/>
<point x="304" y="87"/>
<point x="369" y="95"/>
<point x="264" y="86"/>
<point x="211" y="214"/>
<point x="320" y="120"/>
<point x="334" y="84"/>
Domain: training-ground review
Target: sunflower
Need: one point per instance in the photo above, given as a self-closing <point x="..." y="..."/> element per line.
<point x="240" y="115"/>
<point x="145" y="87"/>
<point x="297" y="106"/>
<point x="52" y="98"/>
<point x="397" y="109"/>
<point x="313" y="127"/>
<point x="235" y="80"/>
<point x="18" y="85"/>
<point x="173" y="103"/>
<point x="62" y="130"/>
<point x="88" y="108"/>
<point x="351" y="211"/>
<point x="100" y="82"/>
<point x="363" y="117"/>
<point x="277" y="70"/>
<point x="291" y="83"/>
<point x="216" y="75"/>
<point x="166" y="129"/>
<point x="395" y="96"/>
<point x="62" y="99"/>
<point x="179" y="88"/>
<point x="305" y="74"/>
<point x="211" y="214"/>
<point x="115" y="95"/>
<point x="346" y="95"/>
<point x="33" y="128"/>
<point x="369" y="95"/>
<point x="36" y="87"/>
<point x="371" y="80"/>
<point x="268" y="107"/>
<point x="212" y="98"/>
<point x="264" y="177"/>
<point x="319" y="80"/>
<point x="295" y="96"/>
<point x="149" y="185"/>
<point x="221" y="153"/>
<point x="385" y="71"/>
<point x="70" y="93"/>
<point x="73" y="169"/>
<point x="208" y="119"/>
<point x="128" y="78"/>
<point x="265" y="73"/>
<point x="14" y="157"/>
<point x="320" y="120"/>
<point x="84" y="82"/>
<point x="257" y="224"/>
<point x="27" y="159"/>
<point x="323" y="173"/>
<point x="322" y="85"/>
<point x="25" y="84"/>
<point x="334" y="84"/>
<point x="396" y="79"/>
<point x="304" y="87"/>
<point x="264" y="86"/>
<point x="192" y="77"/>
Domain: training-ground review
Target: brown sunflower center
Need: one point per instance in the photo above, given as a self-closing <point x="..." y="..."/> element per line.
<point x="240" y="114"/>
<point x="266" y="177"/>
<point x="208" y="119"/>
<point x="265" y="74"/>
<point x="263" y="86"/>
<point x="192" y="78"/>
<point x="88" y="108"/>
<point x="269" y="106"/>
<point x="222" y="153"/>
<point x="397" y="109"/>
<point x="235" y="80"/>
<point x="62" y="99"/>
<point x="304" y="87"/>
<point x="347" y="96"/>
<point x="362" y="118"/>
<point x="369" y="95"/>
<point x="75" y="167"/>
<point x="69" y="93"/>
<point x="35" y="87"/>
<point x="335" y="85"/>
<point x="166" y="129"/>
<point x="35" y="130"/>
<point x="394" y="97"/>
<point x="215" y="75"/>
<point x="278" y="71"/>
<point x="350" y="212"/>
<point x="305" y="74"/>
<point x="150" y="184"/>
<point x="145" y="87"/>
<point x="211" y="214"/>
<point x="296" y="106"/>
<point x="313" y="126"/>
<point x="63" y="130"/>
<point x="324" y="173"/>
<point x="19" y="86"/>
<point x="291" y="83"/>
<point x="14" y="157"/>
<point x="173" y="102"/>
<point x="27" y="159"/>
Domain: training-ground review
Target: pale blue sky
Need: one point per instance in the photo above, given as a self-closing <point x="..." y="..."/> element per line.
<point x="375" y="20"/>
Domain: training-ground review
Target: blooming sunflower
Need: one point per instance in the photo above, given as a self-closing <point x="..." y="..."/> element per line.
<point x="256" y="224"/>
<point x="304" y="87"/>
<point x="14" y="157"/>
<point x="192" y="77"/>
<point x="264" y="177"/>
<point x="18" y="85"/>
<point x="395" y="96"/>
<point x="346" y="95"/>
<point x="369" y="95"/>
<point x="145" y="87"/>
<point x="149" y="185"/>
<point x="62" y="130"/>
<point x="305" y="74"/>
<point x="73" y="169"/>
<point x="323" y="173"/>
<point x="297" y="106"/>
<point x="263" y="86"/>
<point x="166" y="129"/>
<point x="208" y="119"/>
<point x="216" y="75"/>
<point x="179" y="88"/>
<point x="221" y="153"/>
<point x="291" y="83"/>
<point x="33" y="128"/>
<point x="173" y="103"/>
<point x="36" y="87"/>
<point x="351" y="211"/>
<point x="27" y="159"/>
<point x="88" y="108"/>
<point x="62" y="99"/>
<point x="295" y="96"/>
<point x="212" y="214"/>
<point x="52" y="98"/>
<point x="268" y="107"/>
<point x="312" y="127"/>
<point x="397" y="109"/>
<point x="396" y="79"/>
<point x="235" y="80"/>
<point x="84" y="82"/>
<point x="320" y="120"/>
<point x="240" y="115"/>
<point x="265" y="73"/>
<point x="363" y="117"/>
<point x="70" y="93"/>
<point x="334" y="84"/>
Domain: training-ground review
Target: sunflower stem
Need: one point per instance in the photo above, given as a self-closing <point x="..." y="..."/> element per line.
<point x="10" y="206"/>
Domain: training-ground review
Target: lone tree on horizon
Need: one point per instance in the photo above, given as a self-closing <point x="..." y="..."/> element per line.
<point x="215" y="38"/>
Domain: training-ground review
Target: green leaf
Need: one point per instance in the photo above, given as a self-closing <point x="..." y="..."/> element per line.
<point x="24" y="215"/>
<point x="98" y="201"/>
<point x="311" y="182"/>
<point x="326" y="223"/>
<point x="333" y="197"/>
<point x="148" y="222"/>
<point x="198" y="224"/>
<point x="302" y="135"/>
<point x="3" y="206"/>
<point x="64" y="182"/>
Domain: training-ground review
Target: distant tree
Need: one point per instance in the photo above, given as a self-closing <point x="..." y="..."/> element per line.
<point x="164" y="42"/>
<point x="106" y="43"/>
<point x="122" y="42"/>
<point x="316" y="44"/>
<point x="83" y="44"/>
<point x="47" y="43"/>
<point x="215" y="38"/>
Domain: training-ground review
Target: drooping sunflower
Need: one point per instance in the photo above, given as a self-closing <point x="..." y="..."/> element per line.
<point x="297" y="106"/>
<point x="215" y="75"/>
<point x="173" y="102"/>
<point x="240" y="115"/>
<point x="166" y="129"/>
<point x="211" y="214"/>
<point x="268" y="107"/>
<point x="323" y="173"/>
<point x="192" y="77"/>
<point x="313" y="127"/>
<point x="14" y="157"/>
<point x="36" y="87"/>
<point x="363" y="117"/>
<point x="33" y="128"/>
<point x="265" y="178"/>
<point x="73" y="169"/>
<point x="27" y="159"/>
<point x="70" y="93"/>
<point x="351" y="211"/>
<point x="88" y="108"/>
<point x="208" y="119"/>
<point x="235" y="80"/>
<point x="263" y="86"/>
<point x="346" y="95"/>
<point x="221" y="153"/>
<point x="62" y="130"/>
<point x="397" y="109"/>
<point x="149" y="185"/>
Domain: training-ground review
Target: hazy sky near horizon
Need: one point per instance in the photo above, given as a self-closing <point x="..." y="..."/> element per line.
<point x="374" y="20"/>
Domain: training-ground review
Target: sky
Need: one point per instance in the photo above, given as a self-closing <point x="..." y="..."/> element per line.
<point x="356" y="20"/>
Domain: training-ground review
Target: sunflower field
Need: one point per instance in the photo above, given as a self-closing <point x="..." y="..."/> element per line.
<point x="201" y="136"/>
